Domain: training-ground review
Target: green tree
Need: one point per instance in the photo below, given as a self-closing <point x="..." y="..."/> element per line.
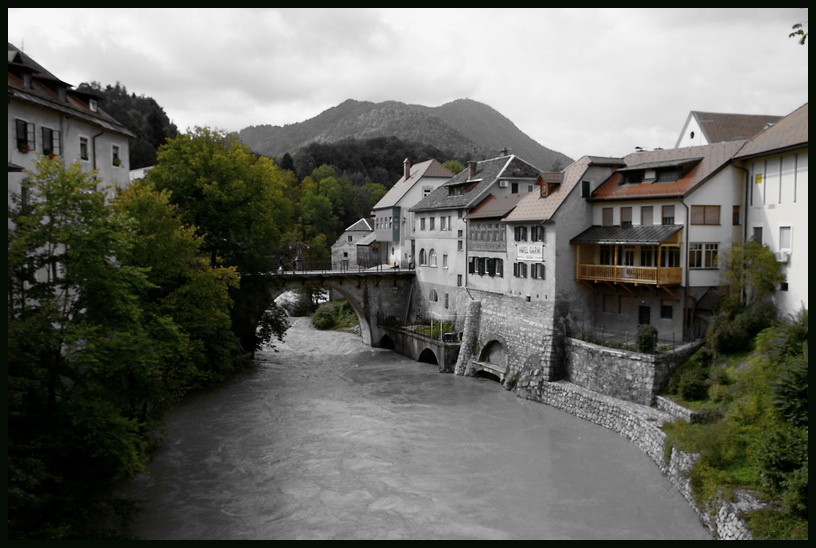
<point x="84" y="355"/>
<point x="186" y="288"/>
<point x="239" y="205"/>
<point x="752" y="273"/>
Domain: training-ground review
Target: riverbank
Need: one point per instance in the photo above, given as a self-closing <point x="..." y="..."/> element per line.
<point x="641" y="425"/>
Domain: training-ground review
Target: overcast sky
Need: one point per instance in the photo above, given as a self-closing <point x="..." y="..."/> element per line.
<point x="579" y="81"/>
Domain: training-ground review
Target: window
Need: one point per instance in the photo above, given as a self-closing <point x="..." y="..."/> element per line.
<point x="584" y="189"/>
<point x="537" y="233"/>
<point x="735" y="215"/>
<point x="83" y="148"/>
<point x="442" y="225"/>
<point x="668" y="175"/>
<point x="757" y="234"/>
<point x="623" y="304"/>
<point x="349" y="238"/>
<point x="514" y="188"/>
<point x="445" y="260"/>
<point x="115" y="159"/>
<point x="433" y="296"/>
<point x="25" y="135"/>
<point x="426" y="190"/>
<point x="431" y="223"/>
<point x="520" y="233"/>
<point x="705" y="215"/>
<point x="626" y="216"/>
<point x="627" y="257"/>
<point x="607" y="216"/>
<point x="784" y="238"/>
<point x="607" y="255"/>
<point x="668" y="215"/>
<point x="520" y="270"/>
<point x="422" y="259"/>
<point x="666" y="309"/>
<point x="447" y="300"/>
<point x="537" y="271"/>
<point x="458" y="280"/>
<point x="51" y="143"/>
<point x="647" y="255"/>
<point x="432" y="257"/>
<point x="460" y="246"/>
<point x="647" y="215"/>
<point x="703" y="255"/>
<point x="422" y="223"/>
<point x="670" y="257"/>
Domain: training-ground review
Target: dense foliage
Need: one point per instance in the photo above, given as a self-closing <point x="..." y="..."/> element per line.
<point x="378" y="160"/>
<point x="141" y="115"/>
<point x="112" y="317"/>
<point x="750" y="382"/>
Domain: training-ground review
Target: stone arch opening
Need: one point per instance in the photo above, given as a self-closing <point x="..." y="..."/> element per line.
<point x="387" y="342"/>
<point x="494" y="353"/>
<point x="482" y="374"/>
<point x="428" y="356"/>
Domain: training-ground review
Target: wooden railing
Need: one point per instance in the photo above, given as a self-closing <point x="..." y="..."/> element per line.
<point x="629" y="274"/>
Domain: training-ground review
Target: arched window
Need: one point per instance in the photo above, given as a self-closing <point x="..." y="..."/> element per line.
<point x="422" y="259"/>
<point x="433" y="296"/>
<point x="432" y="257"/>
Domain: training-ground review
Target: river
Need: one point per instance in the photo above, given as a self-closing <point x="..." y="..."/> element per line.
<point x="330" y="439"/>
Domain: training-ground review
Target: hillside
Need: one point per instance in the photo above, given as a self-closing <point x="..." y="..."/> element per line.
<point x="468" y="129"/>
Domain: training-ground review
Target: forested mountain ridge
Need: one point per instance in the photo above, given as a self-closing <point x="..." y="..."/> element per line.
<point x="468" y="129"/>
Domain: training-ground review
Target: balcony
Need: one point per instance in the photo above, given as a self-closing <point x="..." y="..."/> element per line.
<point x="638" y="275"/>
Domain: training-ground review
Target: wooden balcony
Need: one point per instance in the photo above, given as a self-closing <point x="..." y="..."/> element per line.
<point x="638" y="275"/>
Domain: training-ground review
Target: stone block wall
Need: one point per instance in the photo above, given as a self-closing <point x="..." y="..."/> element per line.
<point x="626" y="375"/>
<point x="641" y="425"/>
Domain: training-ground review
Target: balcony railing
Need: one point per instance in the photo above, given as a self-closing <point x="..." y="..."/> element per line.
<point x="647" y="275"/>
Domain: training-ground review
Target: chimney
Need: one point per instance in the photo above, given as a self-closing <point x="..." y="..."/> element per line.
<point x="472" y="169"/>
<point x="407" y="167"/>
<point x="504" y="151"/>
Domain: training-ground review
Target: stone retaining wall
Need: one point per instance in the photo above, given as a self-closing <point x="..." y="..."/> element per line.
<point x="641" y="425"/>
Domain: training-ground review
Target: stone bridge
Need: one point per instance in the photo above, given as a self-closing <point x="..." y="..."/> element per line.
<point x="373" y="294"/>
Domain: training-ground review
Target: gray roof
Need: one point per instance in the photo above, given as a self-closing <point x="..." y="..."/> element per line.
<point x="476" y="186"/>
<point x="626" y="235"/>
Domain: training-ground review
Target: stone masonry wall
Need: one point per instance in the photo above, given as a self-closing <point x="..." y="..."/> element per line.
<point x="630" y="376"/>
<point x="641" y="424"/>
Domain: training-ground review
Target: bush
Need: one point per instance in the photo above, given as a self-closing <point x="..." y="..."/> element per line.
<point x="647" y="339"/>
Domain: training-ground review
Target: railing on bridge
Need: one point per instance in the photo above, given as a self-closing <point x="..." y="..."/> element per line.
<point x="327" y="267"/>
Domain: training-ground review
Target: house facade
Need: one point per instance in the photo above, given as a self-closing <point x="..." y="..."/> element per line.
<point x="775" y="163"/>
<point x="441" y="230"/>
<point x="47" y="117"/>
<point x="659" y="226"/>
<point x="392" y="215"/>
<point x="351" y="250"/>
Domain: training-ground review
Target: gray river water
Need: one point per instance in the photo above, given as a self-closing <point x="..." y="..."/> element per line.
<point x="330" y="439"/>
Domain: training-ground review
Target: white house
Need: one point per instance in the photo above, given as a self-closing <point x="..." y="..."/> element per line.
<point x="705" y="128"/>
<point x="441" y="228"/>
<point x="47" y="117"/>
<point x="393" y="219"/>
<point x="776" y="193"/>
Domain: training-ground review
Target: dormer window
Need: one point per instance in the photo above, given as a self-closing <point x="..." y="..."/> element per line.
<point x="92" y="105"/>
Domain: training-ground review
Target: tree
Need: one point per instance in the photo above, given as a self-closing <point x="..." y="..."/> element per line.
<point x="84" y="354"/>
<point x="240" y="207"/>
<point x="752" y="272"/>
<point x="185" y="288"/>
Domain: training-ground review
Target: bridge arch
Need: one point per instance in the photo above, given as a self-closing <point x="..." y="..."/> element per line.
<point x="428" y="356"/>
<point x="374" y="296"/>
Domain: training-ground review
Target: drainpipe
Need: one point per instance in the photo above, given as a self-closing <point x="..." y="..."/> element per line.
<point x="686" y="268"/>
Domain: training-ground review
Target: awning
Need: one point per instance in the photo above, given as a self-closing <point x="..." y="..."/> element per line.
<point x="626" y="235"/>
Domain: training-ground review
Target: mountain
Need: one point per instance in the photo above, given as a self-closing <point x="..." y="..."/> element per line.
<point x="467" y="129"/>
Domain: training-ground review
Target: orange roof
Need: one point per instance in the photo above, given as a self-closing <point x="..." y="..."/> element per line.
<point x="707" y="159"/>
